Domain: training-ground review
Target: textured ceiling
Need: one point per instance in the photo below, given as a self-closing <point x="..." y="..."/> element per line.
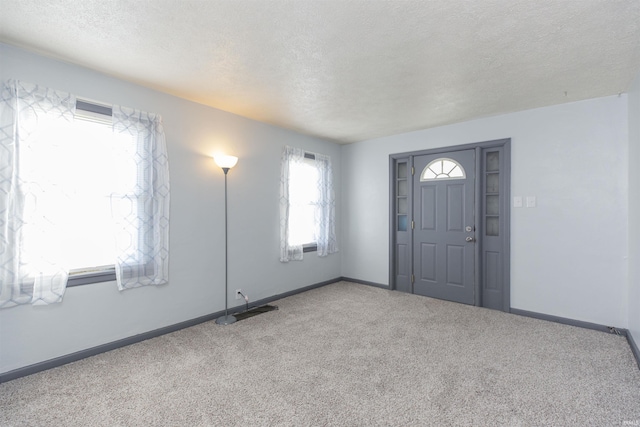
<point x="346" y="70"/>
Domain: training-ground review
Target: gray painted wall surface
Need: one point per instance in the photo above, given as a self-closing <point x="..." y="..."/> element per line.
<point x="568" y="254"/>
<point x="634" y="210"/>
<point x="96" y="314"/>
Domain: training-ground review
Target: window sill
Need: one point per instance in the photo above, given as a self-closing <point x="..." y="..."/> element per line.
<point x="312" y="247"/>
<point x="88" y="278"/>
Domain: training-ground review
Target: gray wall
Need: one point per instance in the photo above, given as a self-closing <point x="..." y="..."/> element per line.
<point x="569" y="254"/>
<point x="634" y="210"/>
<point x="96" y="314"/>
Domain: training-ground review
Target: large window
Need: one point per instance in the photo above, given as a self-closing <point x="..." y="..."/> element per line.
<point x="69" y="172"/>
<point x="84" y="195"/>
<point x="307" y="205"/>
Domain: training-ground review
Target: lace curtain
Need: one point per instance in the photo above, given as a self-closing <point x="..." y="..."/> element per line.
<point x="140" y="204"/>
<point x="291" y="156"/>
<point x="325" y="212"/>
<point x="28" y="239"/>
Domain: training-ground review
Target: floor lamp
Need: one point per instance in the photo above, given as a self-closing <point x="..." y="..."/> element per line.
<point x="226" y="163"/>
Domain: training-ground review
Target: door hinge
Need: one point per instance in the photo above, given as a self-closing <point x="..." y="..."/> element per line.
<point x="413" y="171"/>
<point x="412" y="224"/>
<point x="413" y="278"/>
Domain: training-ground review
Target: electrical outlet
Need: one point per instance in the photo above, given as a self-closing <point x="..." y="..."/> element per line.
<point x="238" y="296"/>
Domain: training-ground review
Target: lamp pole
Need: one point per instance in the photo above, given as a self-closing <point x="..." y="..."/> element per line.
<point x="227" y="163"/>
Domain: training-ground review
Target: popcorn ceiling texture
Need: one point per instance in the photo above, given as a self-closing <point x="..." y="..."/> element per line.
<point x="346" y="70"/>
<point x="345" y="355"/>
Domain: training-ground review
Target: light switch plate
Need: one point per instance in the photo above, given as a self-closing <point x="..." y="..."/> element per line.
<point x="517" y="202"/>
<point x="531" y="201"/>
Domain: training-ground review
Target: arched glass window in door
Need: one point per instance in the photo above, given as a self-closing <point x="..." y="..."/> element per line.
<point x="442" y="168"/>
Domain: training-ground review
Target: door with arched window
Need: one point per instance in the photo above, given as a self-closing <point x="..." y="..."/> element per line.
<point x="450" y="223"/>
<point x="444" y="229"/>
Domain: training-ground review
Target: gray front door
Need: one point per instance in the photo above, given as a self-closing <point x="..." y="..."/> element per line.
<point x="444" y="229"/>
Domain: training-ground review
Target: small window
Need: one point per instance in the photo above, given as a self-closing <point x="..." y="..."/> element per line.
<point x="442" y="168"/>
<point x="307" y="205"/>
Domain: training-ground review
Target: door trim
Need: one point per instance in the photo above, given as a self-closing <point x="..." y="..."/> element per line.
<point x="480" y="148"/>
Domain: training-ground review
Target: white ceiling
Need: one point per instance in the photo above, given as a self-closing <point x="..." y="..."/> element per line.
<point x="346" y="70"/>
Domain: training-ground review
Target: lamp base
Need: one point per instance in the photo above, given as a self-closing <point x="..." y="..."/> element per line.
<point x="226" y="320"/>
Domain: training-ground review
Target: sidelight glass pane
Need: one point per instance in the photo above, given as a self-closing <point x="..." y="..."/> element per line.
<point x="492" y="205"/>
<point x="493" y="183"/>
<point x="402" y="205"/>
<point x="402" y="223"/>
<point x="493" y="226"/>
<point x="402" y="188"/>
<point x="402" y="170"/>
<point x="493" y="161"/>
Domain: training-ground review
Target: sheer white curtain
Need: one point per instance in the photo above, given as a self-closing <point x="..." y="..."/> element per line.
<point x="140" y="204"/>
<point x="325" y="213"/>
<point x="307" y="204"/>
<point x="47" y="210"/>
<point x="32" y="262"/>
<point x="291" y="157"/>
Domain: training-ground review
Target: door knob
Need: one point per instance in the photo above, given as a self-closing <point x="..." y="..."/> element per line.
<point x="469" y="239"/>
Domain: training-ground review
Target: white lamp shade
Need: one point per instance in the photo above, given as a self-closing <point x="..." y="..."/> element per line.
<point x="226" y="162"/>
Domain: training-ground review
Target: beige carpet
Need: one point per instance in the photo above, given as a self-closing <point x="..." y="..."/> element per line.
<point x="345" y="355"/>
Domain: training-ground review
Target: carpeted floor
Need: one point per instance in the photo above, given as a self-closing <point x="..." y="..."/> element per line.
<point x="345" y="355"/>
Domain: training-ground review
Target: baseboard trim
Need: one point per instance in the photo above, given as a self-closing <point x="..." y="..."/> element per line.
<point x="634" y="348"/>
<point x="290" y="293"/>
<point x="364" y="282"/>
<point x="93" y="351"/>
<point x="82" y="354"/>
<point x="567" y="321"/>
<point x="587" y="325"/>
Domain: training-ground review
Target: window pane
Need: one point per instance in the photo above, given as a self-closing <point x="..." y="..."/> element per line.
<point x="72" y="177"/>
<point x="493" y="183"/>
<point x="493" y="226"/>
<point x="447" y="166"/>
<point x="402" y="205"/>
<point x="492" y="207"/>
<point x="303" y="199"/>
<point x="442" y="169"/>
<point x="493" y="161"/>
<point x="402" y="223"/>
<point x="436" y="167"/>
<point x="402" y="170"/>
<point x="456" y="172"/>
<point x="428" y="174"/>
<point x="402" y="188"/>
